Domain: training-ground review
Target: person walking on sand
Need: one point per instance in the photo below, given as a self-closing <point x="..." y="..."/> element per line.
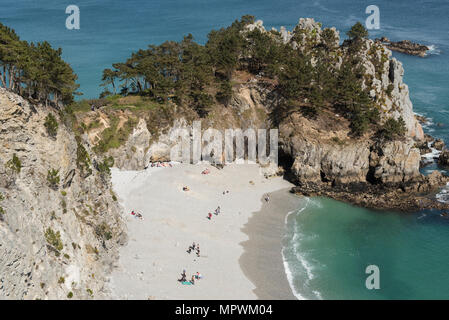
<point x="192" y="247"/>
<point x="198" y="251"/>
<point x="217" y="211"/>
<point x="209" y="216"/>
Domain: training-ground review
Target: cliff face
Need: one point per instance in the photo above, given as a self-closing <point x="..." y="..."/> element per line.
<point x="59" y="232"/>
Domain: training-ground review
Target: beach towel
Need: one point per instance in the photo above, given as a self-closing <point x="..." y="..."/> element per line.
<point x="187" y="283"/>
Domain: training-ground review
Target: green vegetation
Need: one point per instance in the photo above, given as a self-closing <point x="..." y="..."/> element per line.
<point x="14" y="164"/>
<point x="35" y="70"/>
<point x="2" y="211"/>
<point x="113" y="137"/>
<point x="82" y="158"/>
<point x="103" y="231"/>
<point x="54" y="239"/>
<point x="105" y="166"/>
<point x="61" y="280"/>
<point x="70" y="295"/>
<point x="53" y="178"/>
<point x="392" y="129"/>
<point x="198" y="77"/>
<point x="51" y="124"/>
<point x="357" y="31"/>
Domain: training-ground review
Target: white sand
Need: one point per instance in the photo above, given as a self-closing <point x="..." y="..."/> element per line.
<point x="155" y="255"/>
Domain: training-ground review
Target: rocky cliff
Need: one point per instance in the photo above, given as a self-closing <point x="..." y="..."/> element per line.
<point x="326" y="160"/>
<point x="60" y="223"/>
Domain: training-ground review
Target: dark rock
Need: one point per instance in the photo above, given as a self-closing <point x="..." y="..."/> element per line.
<point x="443" y="159"/>
<point x="405" y="46"/>
<point x="438" y="144"/>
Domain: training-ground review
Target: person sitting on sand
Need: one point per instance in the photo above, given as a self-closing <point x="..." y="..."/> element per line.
<point x="183" y="276"/>
<point x="192" y="281"/>
<point x="198" y="276"/>
<point x="185" y="189"/>
<point x="209" y="216"/>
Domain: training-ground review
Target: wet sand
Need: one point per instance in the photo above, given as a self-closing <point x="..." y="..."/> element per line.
<point x="262" y="259"/>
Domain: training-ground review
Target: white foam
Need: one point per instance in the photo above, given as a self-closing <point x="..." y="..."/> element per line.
<point x="443" y="195"/>
<point x="433" y="50"/>
<point x="301" y="258"/>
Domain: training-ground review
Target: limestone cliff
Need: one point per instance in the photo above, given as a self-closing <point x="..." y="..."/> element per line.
<point x="59" y="230"/>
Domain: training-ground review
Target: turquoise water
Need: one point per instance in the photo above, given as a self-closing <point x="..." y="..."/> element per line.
<point x="329" y="244"/>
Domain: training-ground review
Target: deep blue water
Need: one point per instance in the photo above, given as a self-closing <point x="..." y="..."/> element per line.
<point x="333" y="241"/>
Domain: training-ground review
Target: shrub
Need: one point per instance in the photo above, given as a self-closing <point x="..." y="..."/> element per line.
<point x="51" y="124"/>
<point x="104" y="167"/>
<point x="61" y="280"/>
<point x="63" y="193"/>
<point x="103" y="231"/>
<point x="53" y="178"/>
<point x="54" y="239"/>
<point x="82" y="159"/>
<point x="392" y="129"/>
<point x="70" y="295"/>
<point x="390" y="89"/>
<point x="14" y="164"/>
<point x="2" y="211"/>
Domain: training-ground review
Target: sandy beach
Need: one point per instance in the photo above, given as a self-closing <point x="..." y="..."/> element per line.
<point x="155" y="255"/>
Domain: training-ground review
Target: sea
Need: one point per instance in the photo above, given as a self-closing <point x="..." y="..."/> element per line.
<point x="330" y="247"/>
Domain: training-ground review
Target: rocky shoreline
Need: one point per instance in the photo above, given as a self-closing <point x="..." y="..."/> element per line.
<point x="404" y="46"/>
<point x="406" y="197"/>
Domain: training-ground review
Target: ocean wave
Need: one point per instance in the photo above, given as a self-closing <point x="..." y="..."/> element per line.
<point x="292" y="244"/>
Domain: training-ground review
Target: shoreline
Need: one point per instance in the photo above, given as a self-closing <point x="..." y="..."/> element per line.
<point x="152" y="261"/>
<point x="262" y="261"/>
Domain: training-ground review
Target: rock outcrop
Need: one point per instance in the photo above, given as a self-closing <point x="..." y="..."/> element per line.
<point x="59" y="230"/>
<point x="405" y="46"/>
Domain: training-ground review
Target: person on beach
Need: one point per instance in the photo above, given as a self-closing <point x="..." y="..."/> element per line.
<point x="192" y="247"/>
<point x="183" y="276"/>
<point x="217" y="211"/>
<point x="209" y="216"/>
<point x="198" y="251"/>
<point x="192" y="281"/>
<point x="198" y="276"/>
